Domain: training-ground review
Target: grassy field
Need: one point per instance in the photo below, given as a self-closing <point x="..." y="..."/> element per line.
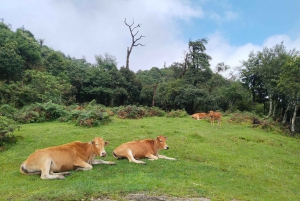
<point x="227" y="163"/>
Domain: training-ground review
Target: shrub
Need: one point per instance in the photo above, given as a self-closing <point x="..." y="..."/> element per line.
<point x="7" y="110"/>
<point x="40" y="112"/>
<point x="154" y="111"/>
<point x="131" y="112"/>
<point x="241" y="117"/>
<point x="177" y="113"/>
<point x="7" y="127"/>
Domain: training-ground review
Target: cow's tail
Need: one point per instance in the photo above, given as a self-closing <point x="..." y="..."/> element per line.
<point x="23" y="170"/>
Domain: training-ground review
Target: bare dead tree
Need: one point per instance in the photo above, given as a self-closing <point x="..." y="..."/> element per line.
<point x="134" y="40"/>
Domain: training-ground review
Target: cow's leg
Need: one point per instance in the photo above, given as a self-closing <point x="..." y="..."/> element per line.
<point x="151" y="157"/>
<point x="103" y="162"/>
<point x="60" y="173"/>
<point x="132" y="159"/>
<point x="165" y="157"/>
<point x="45" y="169"/>
<point x="83" y="165"/>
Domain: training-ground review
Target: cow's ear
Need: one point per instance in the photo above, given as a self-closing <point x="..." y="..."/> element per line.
<point x="165" y="137"/>
<point x="92" y="141"/>
<point x="106" y="143"/>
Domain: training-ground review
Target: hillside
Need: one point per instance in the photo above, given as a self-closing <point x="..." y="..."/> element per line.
<point x="234" y="162"/>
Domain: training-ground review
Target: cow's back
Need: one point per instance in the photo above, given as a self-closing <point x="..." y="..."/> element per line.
<point x="62" y="157"/>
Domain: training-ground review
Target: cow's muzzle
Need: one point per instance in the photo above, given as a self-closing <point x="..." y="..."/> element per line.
<point x="166" y="148"/>
<point x="103" y="154"/>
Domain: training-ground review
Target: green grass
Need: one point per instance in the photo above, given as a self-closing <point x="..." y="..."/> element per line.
<point x="227" y="163"/>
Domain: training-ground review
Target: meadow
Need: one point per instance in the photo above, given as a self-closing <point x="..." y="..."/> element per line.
<point x="234" y="162"/>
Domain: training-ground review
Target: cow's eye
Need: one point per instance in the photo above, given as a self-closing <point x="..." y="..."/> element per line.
<point x="96" y="144"/>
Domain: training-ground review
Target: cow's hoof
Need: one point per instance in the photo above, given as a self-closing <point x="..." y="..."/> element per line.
<point x="111" y="163"/>
<point x="66" y="174"/>
<point x="61" y="177"/>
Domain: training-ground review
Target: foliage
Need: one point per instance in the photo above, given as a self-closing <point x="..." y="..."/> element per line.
<point x="33" y="73"/>
<point x="154" y="111"/>
<point x="7" y="127"/>
<point x="177" y="114"/>
<point x="11" y="62"/>
<point x="40" y="112"/>
<point x="131" y="112"/>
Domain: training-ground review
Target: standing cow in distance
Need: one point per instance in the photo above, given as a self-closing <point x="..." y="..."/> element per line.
<point x="215" y="116"/>
<point x="52" y="162"/>
<point x="142" y="149"/>
<point x="199" y="116"/>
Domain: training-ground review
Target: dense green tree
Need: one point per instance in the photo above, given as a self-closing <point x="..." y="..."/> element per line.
<point x="133" y="87"/>
<point x="289" y="83"/>
<point x="11" y="62"/>
<point x="197" y="62"/>
<point x="252" y="79"/>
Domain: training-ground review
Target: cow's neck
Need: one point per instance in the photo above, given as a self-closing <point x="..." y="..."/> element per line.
<point x="89" y="148"/>
<point x="155" y="146"/>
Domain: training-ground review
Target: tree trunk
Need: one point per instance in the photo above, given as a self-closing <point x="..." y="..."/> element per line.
<point x="154" y="93"/>
<point x="285" y="114"/>
<point x="274" y="109"/>
<point x="270" y="106"/>
<point x="294" y="119"/>
<point x="127" y="58"/>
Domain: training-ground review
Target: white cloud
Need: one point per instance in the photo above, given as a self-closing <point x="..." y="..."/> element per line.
<point x="87" y="28"/>
<point x="221" y="51"/>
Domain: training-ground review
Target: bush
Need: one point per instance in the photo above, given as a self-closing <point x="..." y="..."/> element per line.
<point x="241" y="117"/>
<point x="7" y="127"/>
<point x="131" y="112"/>
<point x="40" y="112"/>
<point x="7" y="110"/>
<point x="154" y="111"/>
<point x="177" y="113"/>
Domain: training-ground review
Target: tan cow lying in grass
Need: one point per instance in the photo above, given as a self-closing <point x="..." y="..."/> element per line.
<point x="199" y="116"/>
<point x="51" y="162"/>
<point x="215" y="116"/>
<point x="142" y="149"/>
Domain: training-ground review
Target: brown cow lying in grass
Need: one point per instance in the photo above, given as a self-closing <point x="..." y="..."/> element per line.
<point x="199" y="116"/>
<point x="51" y="162"/>
<point x="142" y="149"/>
<point x="215" y="116"/>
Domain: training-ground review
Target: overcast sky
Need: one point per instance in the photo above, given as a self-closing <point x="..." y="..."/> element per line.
<point x="85" y="28"/>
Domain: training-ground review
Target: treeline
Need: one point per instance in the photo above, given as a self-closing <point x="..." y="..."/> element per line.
<point x="31" y="72"/>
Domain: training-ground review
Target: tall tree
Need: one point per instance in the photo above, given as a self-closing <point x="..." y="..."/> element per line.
<point x="198" y="62"/>
<point x="11" y="62"/>
<point x="290" y="83"/>
<point x="134" y="40"/>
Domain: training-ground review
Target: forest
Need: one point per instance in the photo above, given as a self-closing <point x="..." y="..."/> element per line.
<point x="267" y="84"/>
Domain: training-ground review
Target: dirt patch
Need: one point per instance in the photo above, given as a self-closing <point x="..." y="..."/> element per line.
<point x="143" y="197"/>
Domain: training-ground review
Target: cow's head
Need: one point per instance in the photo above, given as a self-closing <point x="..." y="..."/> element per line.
<point x="98" y="146"/>
<point x="211" y="113"/>
<point x="161" y="142"/>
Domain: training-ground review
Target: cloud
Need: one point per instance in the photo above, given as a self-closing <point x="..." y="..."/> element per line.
<point x="220" y="50"/>
<point x="89" y="28"/>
